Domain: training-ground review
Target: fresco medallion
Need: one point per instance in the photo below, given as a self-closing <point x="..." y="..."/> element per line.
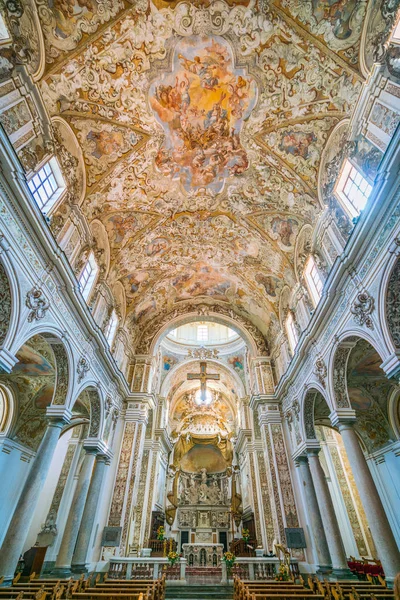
<point x="202" y="106"/>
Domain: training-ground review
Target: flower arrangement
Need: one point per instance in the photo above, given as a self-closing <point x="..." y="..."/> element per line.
<point x="283" y="573"/>
<point x="173" y="557"/>
<point x="229" y="559"/>
<point x="160" y="533"/>
<point x="245" y="534"/>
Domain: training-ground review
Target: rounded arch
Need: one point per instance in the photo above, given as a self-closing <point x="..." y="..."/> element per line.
<point x="186" y="366"/>
<point x="102" y="245"/>
<point x="64" y="359"/>
<point x="389" y="303"/>
<point x="302" y="250"/>
<point x="313" y="394"/>
<point x="7" y="410"/>
<point x="332" y="156"/>
<point x="253" y="343"/>
<point x="92" y="392"/>
<point x="9" y="301"/>
<point x="69" y="142"/>
<point x="394" y="411"/>
<point x="338" y="360"/>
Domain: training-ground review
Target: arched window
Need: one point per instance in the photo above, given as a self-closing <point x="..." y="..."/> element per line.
<point x="202" y="333"/>
<point x="313" y="279"/>
<point x="88" y="276"/>
<point x="47" y="185"/>
<point x="291" y="331"/>
<point x="111" y="328"/>
<point x="352" y="189"/>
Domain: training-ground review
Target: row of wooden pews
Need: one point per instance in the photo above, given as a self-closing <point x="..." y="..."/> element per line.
<point x="89" y="588"/>
<point x="351" y="590"/>
<point x="276" y="590"/>
<point x="313" y="589"/>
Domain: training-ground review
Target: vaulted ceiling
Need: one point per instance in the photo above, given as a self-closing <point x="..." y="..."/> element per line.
<point x="201" y="126"/>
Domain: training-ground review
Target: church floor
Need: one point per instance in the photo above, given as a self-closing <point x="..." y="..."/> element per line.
<point x="214" y="591"/>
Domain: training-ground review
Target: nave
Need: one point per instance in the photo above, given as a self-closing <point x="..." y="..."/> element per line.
<point x="199" y="299"/>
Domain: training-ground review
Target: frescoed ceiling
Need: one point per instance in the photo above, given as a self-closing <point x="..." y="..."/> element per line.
<point x="201" y="126"/>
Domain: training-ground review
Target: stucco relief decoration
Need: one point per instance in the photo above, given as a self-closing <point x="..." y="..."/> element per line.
<point x="64" y="22"/>
<point x="95" y="413"/>
<point x="82" y="368"/>
<point x="37" y="304"/>
<point x="321" y="371"/>
<point x="5" y="303"/>
<point x="362" y="308"/>
<point x="338" y="23"/>
<point x="339" y="377"/>
<point x="393" y="304"/>
<point x="189" y="124"/>
<point x="309" y="402"/>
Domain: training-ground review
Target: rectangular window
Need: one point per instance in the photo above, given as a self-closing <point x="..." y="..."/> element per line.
<point x="314" y="280"/>
<point x="396" y="33"/>
<point x="353" y="190"/>
<point x="111" y="328"/>
<point x="47" y="185"/>
<point x="202" y="333"/>
<point x="292" y="332"/>
<point x="88" y="276"/>
<point x="4" y="33"/>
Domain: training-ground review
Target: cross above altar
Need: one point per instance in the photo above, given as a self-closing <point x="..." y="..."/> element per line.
<point x="203" y="376"/>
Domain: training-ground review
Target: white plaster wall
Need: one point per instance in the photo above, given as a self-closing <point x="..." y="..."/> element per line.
<point x="47" y="493"/>
<point x="14" y="469"/>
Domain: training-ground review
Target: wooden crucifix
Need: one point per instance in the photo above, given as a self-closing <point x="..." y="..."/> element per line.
<point x="203" y="376"/>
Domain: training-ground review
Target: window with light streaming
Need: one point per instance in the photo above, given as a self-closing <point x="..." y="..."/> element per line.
<point x="396" y="33"/>
<point x="4" y="33"/>
<point x="314" y="281"/>
<point x="291" y="331"/>
<point x="111" y="328"/>
<point x="352" y="189"/>
<point x="88" y="276"/>
<point x="202" y="333"/>
<point x="47" y="185"/>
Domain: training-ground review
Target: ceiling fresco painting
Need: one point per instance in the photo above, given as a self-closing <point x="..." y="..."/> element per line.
<point x="202" y="105"/>
<point x="202" y="126"/>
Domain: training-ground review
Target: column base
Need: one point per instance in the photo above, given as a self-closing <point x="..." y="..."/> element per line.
<point x="324" y="569"/>
<point x="61" y="572"/>
<point x="79" y="569"/>
<point x="342" y="574"/>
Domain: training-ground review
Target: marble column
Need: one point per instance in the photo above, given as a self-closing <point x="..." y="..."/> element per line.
<point x="14" y="540"/>
<point x="382" y="534"/>
<point x="331" y="525"/>
<point x="89" y="514"/>
<point x="314" y="515"/>
<point x="64" y="558"/>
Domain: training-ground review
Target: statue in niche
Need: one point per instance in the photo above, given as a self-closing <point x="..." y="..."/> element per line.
<point x="193" y="492"/>
<point x="214" y="492"/>
<point x="203" y="488"/>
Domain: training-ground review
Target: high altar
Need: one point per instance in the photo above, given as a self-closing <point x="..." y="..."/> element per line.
<point x="203" y="499"/>
<point x="203" y="512"/>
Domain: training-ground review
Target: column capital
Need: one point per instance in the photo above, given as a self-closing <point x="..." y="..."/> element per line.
<point x="58" y="416"/>
<point x="95" y="446"/>
<point x="269" y="412"/>
<point x="343" y="416"/>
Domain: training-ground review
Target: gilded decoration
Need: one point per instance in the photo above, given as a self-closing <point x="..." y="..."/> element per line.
<point x="199" y="122"/>
<point x="5" y="301"/>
